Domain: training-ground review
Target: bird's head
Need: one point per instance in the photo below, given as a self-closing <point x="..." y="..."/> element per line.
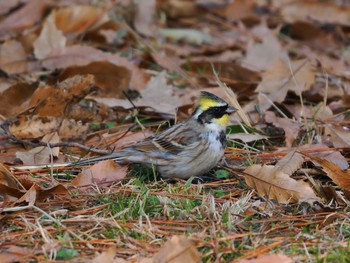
<point x="213" y="111"/>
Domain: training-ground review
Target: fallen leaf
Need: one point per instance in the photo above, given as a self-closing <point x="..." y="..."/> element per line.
<point x="159" y="95"/>
<point x="273" y="258"/>
<point x="110" y="79"/>
<point x="290" y="127"/>
<point x="291" y="162"/>
<point x="83" y="55"/>
<point x="244" y="137"/>
<point x="296" y="76"/>
<point x="13" y="58"/>
<point x="32" y="127"/>
<point x="178" y="249"/>
<point x="262" y="55"/>
<point x="13" y="253"/>
<point x="23" y="18"/>
<point x="7" y="178"/>
<point x="238" y="10"/>
<point x="59" y="100"/>
<point x="340" y="135"/>
<point x="42" y="154"/>
<point x="50" y="38"/>
<point x="102" y="173"/>
<point x="325" y="13"/>
<point x="270" y="181"/>
<point x="14" y="97"/>
<point x="78" y="19"/>
<point x="333" y="171"/>
<point x="108" y="256"/>
<point x="144" y="21"/>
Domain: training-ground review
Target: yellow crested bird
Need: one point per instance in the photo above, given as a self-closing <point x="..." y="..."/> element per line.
<point x="189" y="148"/>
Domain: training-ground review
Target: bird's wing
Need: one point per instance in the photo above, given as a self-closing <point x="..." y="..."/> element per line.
<point x="173" y="140"/>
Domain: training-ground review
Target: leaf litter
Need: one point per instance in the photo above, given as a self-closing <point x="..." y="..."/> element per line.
<point x="79" y="79"/>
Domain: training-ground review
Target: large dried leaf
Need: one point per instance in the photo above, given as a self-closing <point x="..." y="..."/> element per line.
<point x="340" y="135"/>
<point x="144" y="20"/>
<point x="59" y="100"/>
<point x="23" y="18"/>
<point x="42" y="154"/>
<point x="13" y="58"/>
<point x="14" y="97"/>
<point x="178" y="249"/>
<point x="308" y="11"/>
<point x="290" y="127"/>
<point x="32" y="127"/>
<point x="102" y="173"/>
<point x="262" y="55"/>
<point x="111" y="79"/>
<point x="290" y="163"/>
<point x="7" y="178"/>
<point x="50" y="38"/>
<point x="273" y="183"/>
<point x="79" y="18"/>
<point x="273" y="258"/>
<point x="77" y="55"/>
<point x="333" y="171"/>
<point x="297" y="76"/>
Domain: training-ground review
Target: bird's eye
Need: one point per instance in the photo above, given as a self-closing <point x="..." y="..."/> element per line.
<point x="216" y="110"/>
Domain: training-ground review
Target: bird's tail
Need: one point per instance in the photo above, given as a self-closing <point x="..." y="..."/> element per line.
<point x="113" y="156"/>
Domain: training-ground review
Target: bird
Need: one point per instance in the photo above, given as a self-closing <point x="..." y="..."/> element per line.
<point x="189" y="148"/>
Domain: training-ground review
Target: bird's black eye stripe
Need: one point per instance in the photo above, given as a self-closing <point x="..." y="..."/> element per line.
<point x="212" y="113"/>
<point x="218" y="111"/>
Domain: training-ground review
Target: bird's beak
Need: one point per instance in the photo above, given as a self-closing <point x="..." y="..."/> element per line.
<point x="230" y="109"/>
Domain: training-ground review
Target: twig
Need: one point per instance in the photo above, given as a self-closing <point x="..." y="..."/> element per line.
<point x="14" y="139"/>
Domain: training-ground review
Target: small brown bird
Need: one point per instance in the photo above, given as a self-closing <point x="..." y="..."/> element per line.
<point x="189" y="148"/>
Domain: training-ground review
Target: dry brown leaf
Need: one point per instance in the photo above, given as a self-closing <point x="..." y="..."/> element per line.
<point x="14" y="97"/>
<point x="13" y="58"/>
<point x="333" y="171"/>
<point x="111" y="79"/>
<point x="7" y="178"/>
<point x="58" y="100"/>
<point x="50" y="38"/>
<point x="29" y="196"/>
<point x="178" y="249"/>
<point x="160" y="95"/>
<point x="282" y="77"/>
<point x="7" y="6"/>
<point x="244" y="137"/>
<point x="273" y="258"/>
<point x="324" y="152"/>
<point x="270" y="181"/>
<point x="32" y="127"/>
<point x="108" y="256"/>
<point x="312" y="12"/>
<point x="23" y="18"/>
<point x="265" y="53"/>
<point x="72" y="129"/>
<point x="79" y="18"/>
<point x="290" y="163"/>
<point x="13" y="253"/>
<point x="238" y="10"/>
<point x="83" y="55"/>
<point x="144" y="21"/>
<point x="340" y="135"/>
<point x="102" y="173"/>
<point x="42" y="154"/>
<point x="290" y="127"/>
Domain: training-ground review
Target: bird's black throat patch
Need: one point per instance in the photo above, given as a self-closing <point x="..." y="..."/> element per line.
<point x="222" y="138"/>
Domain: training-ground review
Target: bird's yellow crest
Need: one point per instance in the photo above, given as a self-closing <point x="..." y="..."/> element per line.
<point x="205" y="103"/>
